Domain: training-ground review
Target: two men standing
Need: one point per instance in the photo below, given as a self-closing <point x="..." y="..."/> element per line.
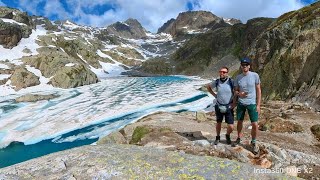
<point x="224" y="96"/>
<point x="245" y="93"/>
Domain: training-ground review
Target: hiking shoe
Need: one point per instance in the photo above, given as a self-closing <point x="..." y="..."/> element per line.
<point x="238" y="141"/>
<point x="228" y="139"/>
<point x="217" y="140"/>
<point x="255" y="148"/>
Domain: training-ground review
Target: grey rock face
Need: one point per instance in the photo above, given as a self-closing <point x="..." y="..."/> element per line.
<point x="10" y="33"/>
<point x="286" y="56"/>
<point x="130" y="162"/>
<point x="232" y="21"/>
<point x="15" y="14"/>
<point x="167" y="26"/>
<point x="69" y="77"/>
<point x="131" y="28"/>
<point x="22" y="78"/>
<point x="48" y="25"/>
<point x="191" y="20"/>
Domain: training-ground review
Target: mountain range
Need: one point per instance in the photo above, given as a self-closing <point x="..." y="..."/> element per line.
<point x="37" y="52"/>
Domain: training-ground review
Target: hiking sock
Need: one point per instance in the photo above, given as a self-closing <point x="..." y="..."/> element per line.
<point x="253" y="141"/>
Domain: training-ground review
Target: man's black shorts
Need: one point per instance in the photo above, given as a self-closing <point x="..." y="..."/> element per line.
<point x="229" y="115"/>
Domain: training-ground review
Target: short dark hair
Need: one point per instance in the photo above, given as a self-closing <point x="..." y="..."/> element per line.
<point x="224" y="67"/>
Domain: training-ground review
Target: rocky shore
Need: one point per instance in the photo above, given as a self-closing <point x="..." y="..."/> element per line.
<point x="179" y="146"/>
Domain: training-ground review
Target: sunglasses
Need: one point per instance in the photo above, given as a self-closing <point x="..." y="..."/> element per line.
<point x="223" y="72"/>
<point x="245" y="64"/>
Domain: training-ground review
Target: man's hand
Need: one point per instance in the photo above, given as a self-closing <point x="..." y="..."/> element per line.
<point x="242" y="94"/>
<point x="258" y="109"/>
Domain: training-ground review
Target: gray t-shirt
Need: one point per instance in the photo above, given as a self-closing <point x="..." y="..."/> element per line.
<point x="224" y="91"/>
<point x="247" y="83"/>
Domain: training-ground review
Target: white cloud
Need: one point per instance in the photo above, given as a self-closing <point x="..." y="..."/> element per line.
<point x="153" y="14"/>
<point x="30" y="6"/>
<point x="55" y="8"/>
<point x="248" y="9"/>
<point x="2" y="4"/>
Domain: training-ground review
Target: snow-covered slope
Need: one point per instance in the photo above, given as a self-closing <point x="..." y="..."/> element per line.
<point x="69" y="55"/>
<point x="72" y="47"/>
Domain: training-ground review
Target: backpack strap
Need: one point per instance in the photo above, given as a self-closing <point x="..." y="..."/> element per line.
<point x="229" y="82"/>
<point x="217" y="83"/>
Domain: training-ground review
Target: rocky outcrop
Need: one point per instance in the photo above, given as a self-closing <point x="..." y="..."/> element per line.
<point x="191" y="21"/>
<point x="35" y="97"/>
<point x="47" y="23"/>
<point x="22" y="78"/>
<point x="232" y="21"/>
<point x="69" y="77"/>
<point x="157" y="66"/>
<point x="166" y="27"/>
<point x="15" y="14"/>
<point x="315" y="129"/>
<point x="207" y="52"/>
<point x="114" y="161"/>
<point x="286" y="56"/>
<point x="193" y="133"/>
<point x="130" y="28"/>
<point x="11" y="33"/>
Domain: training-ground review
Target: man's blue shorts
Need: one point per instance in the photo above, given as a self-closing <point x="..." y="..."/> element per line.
<point x="229" y="115"/>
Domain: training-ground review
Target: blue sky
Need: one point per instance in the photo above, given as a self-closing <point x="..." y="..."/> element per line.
<point x="150" y="13"/>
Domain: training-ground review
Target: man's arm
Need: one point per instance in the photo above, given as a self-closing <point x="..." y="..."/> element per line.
<point x="258" y="93"/>
<point x="235" y="97"/>
<point x="210" y="91"/>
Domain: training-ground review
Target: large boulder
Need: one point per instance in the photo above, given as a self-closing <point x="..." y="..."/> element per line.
<point x="315" y="129"/>
<point x="49" y="61"/>
<point x="11" y="33"/>
<point x="70" y="77"/>
<point x="22" y="78"/>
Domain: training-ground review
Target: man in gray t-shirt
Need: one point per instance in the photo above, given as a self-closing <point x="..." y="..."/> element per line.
<point x="248" y="90"/>
<point x="223" y="108"/>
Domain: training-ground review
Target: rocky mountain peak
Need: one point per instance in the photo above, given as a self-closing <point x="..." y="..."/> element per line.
<point x="191" y="21"/>
<point x="166" y="26"/>
<point x="131" y="28"/>
<point x="232" y="21"/>
<point x="133" y="23"/>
